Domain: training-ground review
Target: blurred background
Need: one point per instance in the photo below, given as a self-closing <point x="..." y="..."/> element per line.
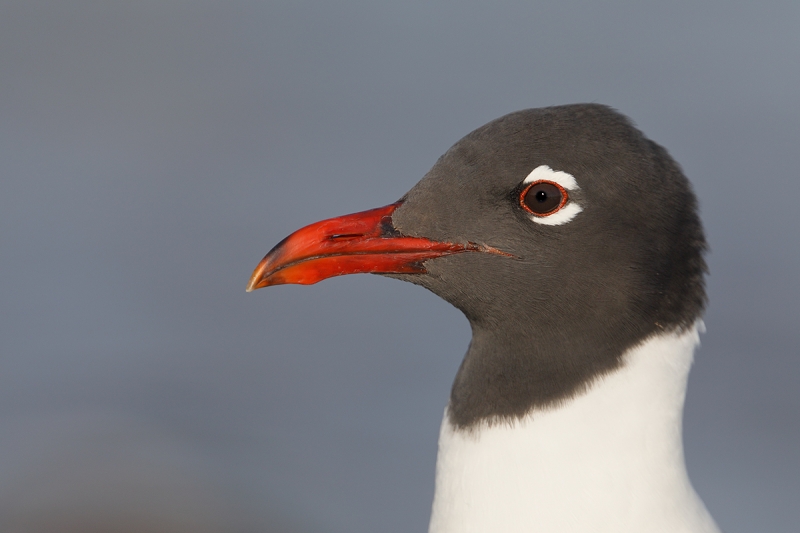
<point x="152" y="152"/>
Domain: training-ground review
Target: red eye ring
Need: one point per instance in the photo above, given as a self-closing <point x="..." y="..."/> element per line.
<point x="543" y="186"/>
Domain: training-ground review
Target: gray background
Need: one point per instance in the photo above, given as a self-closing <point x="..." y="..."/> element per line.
<point x="151" y="152"/>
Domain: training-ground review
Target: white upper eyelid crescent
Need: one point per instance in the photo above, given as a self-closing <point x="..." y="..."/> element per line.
<point x="545" y="173"/>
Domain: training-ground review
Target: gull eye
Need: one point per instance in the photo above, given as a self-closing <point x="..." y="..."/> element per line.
<point x="543" y="198"/>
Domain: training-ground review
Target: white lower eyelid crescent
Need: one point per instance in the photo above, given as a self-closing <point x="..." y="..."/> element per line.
<point x="562" y="216"/>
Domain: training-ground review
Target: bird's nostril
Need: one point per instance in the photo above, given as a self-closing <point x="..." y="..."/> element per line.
<point x="345" y="236"/>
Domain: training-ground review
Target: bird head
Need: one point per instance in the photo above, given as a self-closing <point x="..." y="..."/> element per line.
<point x="563" y="234"/>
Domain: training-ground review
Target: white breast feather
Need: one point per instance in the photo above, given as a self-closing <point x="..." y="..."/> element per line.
<point x="608" y="461"/>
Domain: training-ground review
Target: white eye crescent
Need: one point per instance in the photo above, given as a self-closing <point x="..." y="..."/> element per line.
<point x="545" y="196"/>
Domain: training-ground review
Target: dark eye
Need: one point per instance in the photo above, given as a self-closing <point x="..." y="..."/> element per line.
<point x="543" y="198"/>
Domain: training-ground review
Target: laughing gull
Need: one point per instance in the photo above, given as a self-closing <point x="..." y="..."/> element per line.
<point x="573" y="245"/>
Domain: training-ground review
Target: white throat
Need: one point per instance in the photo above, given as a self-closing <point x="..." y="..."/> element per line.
<point x="609" y="460"/>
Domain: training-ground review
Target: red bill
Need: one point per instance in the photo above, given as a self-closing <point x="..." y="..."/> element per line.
<point x="365" y="242"/>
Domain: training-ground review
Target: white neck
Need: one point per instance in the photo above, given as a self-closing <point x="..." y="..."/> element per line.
<point x="609" y="460"/>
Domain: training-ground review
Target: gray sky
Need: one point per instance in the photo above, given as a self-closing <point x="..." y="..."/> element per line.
<point x="151" y="153"/>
